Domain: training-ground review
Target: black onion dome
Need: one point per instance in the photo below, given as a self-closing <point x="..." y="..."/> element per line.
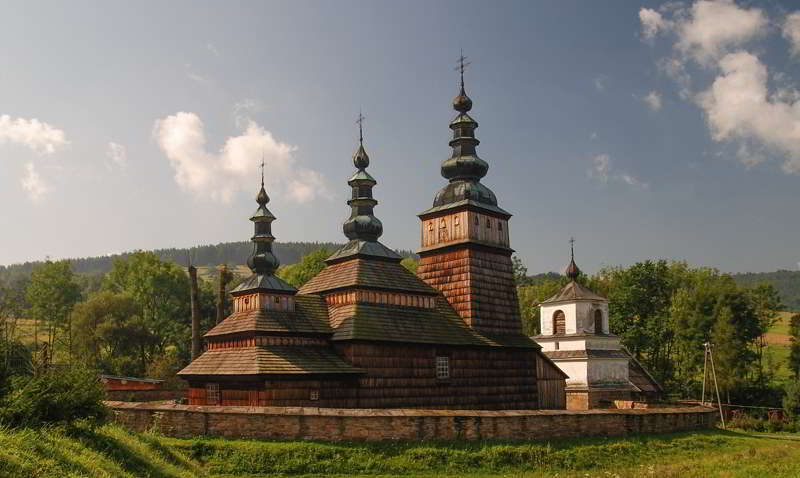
<point x="361" y="158"/>
<point x="572" y="270"/>
<point x="462" y="103"/>
<point x="262" y="261"/>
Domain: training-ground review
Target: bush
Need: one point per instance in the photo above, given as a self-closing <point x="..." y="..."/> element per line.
<point x="55" y="397"/>
<point x="791" y="401"/>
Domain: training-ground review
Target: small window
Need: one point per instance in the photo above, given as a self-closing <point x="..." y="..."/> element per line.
<point x="559" y="323"/>
<point x="456" y="222"/>
<point x="477" y="221"/>
<point x="499" y="225"/>
<point x="488" y="223"/>
<point x="442" y="368"/>
<point x="314" y="395"/>
<point x="556" y="344"/>
<point x="598" y="321"/>
<point x="277" y="300"/>
<point x="442" y="224"/>
<point x="212" y="394"/>
<point x="430" y="226"/>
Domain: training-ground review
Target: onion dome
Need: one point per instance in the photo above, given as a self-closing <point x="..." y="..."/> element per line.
<point x="262" y="261"/>
<point x="572" y="270"/>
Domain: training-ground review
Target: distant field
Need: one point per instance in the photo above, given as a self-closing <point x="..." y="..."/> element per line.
<point x="777" y="350"/>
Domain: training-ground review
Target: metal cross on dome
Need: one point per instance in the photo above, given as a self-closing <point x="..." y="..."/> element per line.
<point x="360" y="122"/>
<point x="462" y="65"/>
<point x="572" y="246"/>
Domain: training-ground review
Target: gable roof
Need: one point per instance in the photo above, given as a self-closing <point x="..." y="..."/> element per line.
<point x="366" y="273"/>
<point x="264" y="282"/>
<point x="310" y="316"/>
<point x="574" y="291"/>
<point x="269" y="360"/>
<point x="639" y="376"/>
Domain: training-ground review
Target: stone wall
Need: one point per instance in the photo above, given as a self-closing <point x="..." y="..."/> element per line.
<point x="404" y="424"/>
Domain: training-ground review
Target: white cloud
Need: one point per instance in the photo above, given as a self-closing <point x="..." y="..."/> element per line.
<point x="652" y="100"/>
<point x="601" y="170"/>
<point x="600" y="166"/>
<point x="33" y="184"/>
<point x="593" y="135"/>
<point x="791" y="31"/>
<point x="118" y="154"/>
<point x="652" y="23"/>
<point x="600" y="82"/>
<point x="738" y="107"/>
<point x="213" y="49"/>
<point x="36" y="135"/>
<point x="712" y="27"/>
<point x="235" y="167"/>
<point x="243" y="109"/>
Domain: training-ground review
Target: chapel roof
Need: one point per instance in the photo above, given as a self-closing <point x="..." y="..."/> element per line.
<point x="574" y="291"/>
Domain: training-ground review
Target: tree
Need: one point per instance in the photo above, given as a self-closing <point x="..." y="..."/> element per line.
<point x="161" y="292"/>
<point x="530" y="296"/>
<point x="794" y="351"/>
<point x="111" y="335"/>
<point x="767" y="304"/>
<point x="411" y="264"/>
<point x="52" y="293"/>
<point x="309" y="266"/>
<point x="520" y="271"/>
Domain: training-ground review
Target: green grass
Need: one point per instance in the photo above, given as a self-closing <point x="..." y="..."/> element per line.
<point x="111" y="451"/>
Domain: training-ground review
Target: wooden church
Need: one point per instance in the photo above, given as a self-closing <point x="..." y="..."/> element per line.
<point x="367" y="333"/>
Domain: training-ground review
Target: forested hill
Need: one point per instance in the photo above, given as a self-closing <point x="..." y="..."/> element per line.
<point x="787" y="283"/>
<point x="208" y="255"/>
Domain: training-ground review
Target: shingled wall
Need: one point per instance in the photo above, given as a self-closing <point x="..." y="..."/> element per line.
<point x="404" y="424"/>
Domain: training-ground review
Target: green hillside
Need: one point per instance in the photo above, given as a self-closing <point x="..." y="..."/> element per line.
<point x="787" y="283"/>
<point x="207" y="256"/>
<point x="110" y="451"/>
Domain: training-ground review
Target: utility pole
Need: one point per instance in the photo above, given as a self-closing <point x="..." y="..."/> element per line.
<point x="196" y="345"/>
<point x="709" y="348"/>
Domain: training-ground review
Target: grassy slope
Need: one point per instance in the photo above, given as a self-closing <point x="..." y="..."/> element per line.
<point x="110" y="451"/>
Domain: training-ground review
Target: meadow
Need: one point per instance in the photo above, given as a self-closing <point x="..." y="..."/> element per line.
<point x="111" y="451"/>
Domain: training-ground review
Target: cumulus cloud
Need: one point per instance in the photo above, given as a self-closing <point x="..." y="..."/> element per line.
<point x="117" y="154"/>
<point x="601" y="171"/>
<point x="712" y="27"/>
<point x="243" y="109"/>
<point x="33" y="184"/>
<point x="652" y="23"/>
<point x="652" y="100"/>
<point x="36" y="135"/>
<point x="791" y="31"/>
<point x="738" y="106"/>
<point x="234" y="168"/>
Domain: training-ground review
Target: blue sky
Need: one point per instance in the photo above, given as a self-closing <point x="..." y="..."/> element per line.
<point x="644" y="129"/>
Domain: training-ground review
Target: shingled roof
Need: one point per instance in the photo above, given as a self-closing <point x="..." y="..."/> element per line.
<point x="269" y="360"/>
<point x="394" y="323"/>
<point x="374" y="274"/>
<point x="310" y="316"/>
<point x="574" y="291"/>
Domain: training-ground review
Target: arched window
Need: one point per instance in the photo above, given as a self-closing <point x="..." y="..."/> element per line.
<point x="598" y="321"/>
<point x="559" y="323"/>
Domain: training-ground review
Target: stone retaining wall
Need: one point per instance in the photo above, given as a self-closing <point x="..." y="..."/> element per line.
<point x="403" y="424"/>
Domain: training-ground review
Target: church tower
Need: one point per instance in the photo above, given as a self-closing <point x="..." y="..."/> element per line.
<point x="465" y="251"/>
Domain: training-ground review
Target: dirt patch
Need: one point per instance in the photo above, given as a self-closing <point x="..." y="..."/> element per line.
<point x="778" y="339"/>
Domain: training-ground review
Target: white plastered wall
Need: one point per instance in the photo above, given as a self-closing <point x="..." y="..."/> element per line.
<point x="579" y="316"/>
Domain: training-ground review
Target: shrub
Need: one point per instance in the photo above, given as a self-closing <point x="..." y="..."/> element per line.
<point x="57" y="397"/>
<point x="791" y="401"/>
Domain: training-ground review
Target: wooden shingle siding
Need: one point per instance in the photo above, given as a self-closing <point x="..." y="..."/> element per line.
<point x="478" y="284"/>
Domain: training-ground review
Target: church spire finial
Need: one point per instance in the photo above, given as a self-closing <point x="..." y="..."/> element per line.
<point x="360" y="158"/>
<point x="462" y="103"/>
<point x="572" y="269"/>
<point x="360" y="122"/>
<point x="262" y="169"/>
